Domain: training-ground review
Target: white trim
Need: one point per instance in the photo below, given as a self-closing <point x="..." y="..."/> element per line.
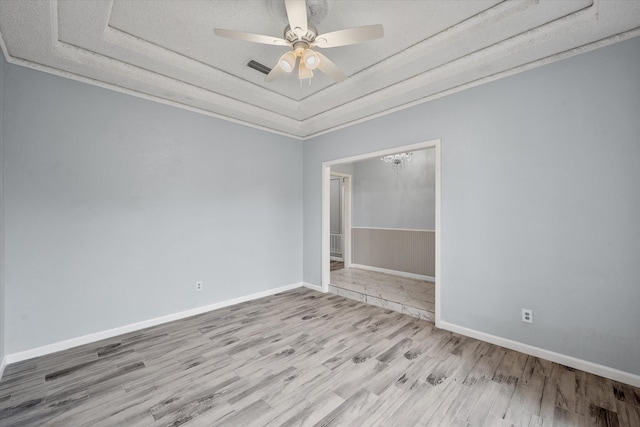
<point x="573" y="362"/>
<point x="347" y="200"/>
<point x="3" y="364"/>
<point x="438" y="270"/>
<point x="380" y="153"/>
<point x="346" y="218"/>
<point x="394" y="272"/>
<point x="326" y="228"/>
<point x="131" y="92"/>
<point x="110" y="333"/>
<point x="395" y="229"/>
<point x="483" y="80"/>
<point x="314" y="287"/>
<point x="305" y="135"/>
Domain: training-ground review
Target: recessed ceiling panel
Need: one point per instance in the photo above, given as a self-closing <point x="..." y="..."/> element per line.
<point x="189" y="31"/>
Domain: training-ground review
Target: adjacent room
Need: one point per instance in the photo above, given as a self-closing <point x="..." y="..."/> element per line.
<point x="386" y="206"/>
<point x="171" y="252"/>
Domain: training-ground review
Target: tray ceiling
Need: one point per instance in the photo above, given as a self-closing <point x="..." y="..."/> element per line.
<point x="166" y="51"/>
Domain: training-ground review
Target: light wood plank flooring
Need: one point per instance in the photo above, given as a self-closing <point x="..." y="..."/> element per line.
<point x="409" y="296"/>
<point x="305" y="358"/>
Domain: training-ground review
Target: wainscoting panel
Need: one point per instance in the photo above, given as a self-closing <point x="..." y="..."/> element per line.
<point x="411" y="251"/>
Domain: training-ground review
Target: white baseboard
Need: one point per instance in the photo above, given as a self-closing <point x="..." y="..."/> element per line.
<point x="572" y="362"/>
<point x="86" y="339"/>
<point x="311" y="286"/>
<point x="3" y="364"/>
<point x="394" y="272"/>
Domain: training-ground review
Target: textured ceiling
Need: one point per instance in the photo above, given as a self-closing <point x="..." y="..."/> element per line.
<point x="166" y="51"/>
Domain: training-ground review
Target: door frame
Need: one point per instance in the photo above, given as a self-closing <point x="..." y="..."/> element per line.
<point x="346" y="218"/>
<point x="326" y="193"/>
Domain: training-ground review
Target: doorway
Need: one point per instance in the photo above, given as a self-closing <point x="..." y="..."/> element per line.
<point x="371" y="274"/>
<point x="340" y="220"/>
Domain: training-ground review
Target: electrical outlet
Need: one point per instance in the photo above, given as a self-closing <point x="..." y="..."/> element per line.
<point x="198" y="286"/>
<point x="527" y="315"/>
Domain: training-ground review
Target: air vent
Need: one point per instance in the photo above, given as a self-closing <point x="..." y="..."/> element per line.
<point x="258" y="67"/>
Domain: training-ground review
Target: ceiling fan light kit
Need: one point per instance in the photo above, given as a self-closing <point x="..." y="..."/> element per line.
<point x="301" y="37"/>
<point x="310" y="59"/>
<point x="287" y="61"/>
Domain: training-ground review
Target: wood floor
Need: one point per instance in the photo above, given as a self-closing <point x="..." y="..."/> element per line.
<point x="305" y="358"/>
<point x="336" y="265"/>
<point x="408" y="296"/>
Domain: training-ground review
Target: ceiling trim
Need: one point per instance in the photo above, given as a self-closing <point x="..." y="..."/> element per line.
<point x="110" y="86"/>
<point x="534" y="64"/>
<point x="488" y="79"/>
<point x="530" y="34"/>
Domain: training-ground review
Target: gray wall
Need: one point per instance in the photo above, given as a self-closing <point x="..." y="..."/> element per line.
<point x="2" y="294"/>
<point x="540" y="202"/>
<point x="115" y="207"/>
<point x="386" y="199"/>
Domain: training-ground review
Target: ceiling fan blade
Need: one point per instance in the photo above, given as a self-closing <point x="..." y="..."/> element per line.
<point x="330" y="69"/>
<point x="349" y="36"/>
<point x="250" y="37"/>
<point x="297" y="14"/>
<point x="275" y="72"/>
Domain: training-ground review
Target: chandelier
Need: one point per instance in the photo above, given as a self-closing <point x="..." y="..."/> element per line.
<point x="397" y="162"/>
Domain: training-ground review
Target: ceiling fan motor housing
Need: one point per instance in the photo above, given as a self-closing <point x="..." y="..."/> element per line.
<point x="300" y="47"/>
<point x="292" y="36"/>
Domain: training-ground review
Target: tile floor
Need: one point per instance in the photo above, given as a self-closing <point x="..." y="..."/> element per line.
<point x="409" y="296"/>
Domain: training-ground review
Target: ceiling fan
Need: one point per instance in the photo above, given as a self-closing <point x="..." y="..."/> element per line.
<point x="302" y="37"/>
